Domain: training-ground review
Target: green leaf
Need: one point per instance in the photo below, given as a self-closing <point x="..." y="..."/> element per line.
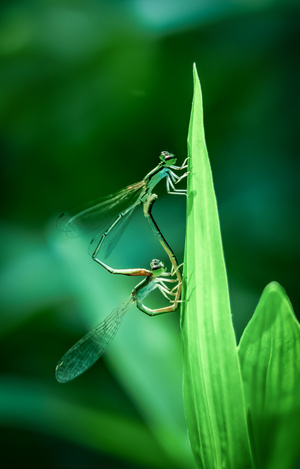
<point x="269" y="353"/>
<point x="213" y="394"/>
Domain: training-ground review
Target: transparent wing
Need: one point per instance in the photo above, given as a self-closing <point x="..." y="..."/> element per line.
<point x="95" y="216"/>
<point x="112" y="237"/>
<point x="89" y="349"/>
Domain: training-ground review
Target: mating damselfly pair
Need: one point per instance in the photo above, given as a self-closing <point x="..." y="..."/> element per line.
<point x="113" y="212"/>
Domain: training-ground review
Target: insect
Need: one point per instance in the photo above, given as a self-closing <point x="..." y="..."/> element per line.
<point x="115" y="209"/>
<point x="91" y="347"/>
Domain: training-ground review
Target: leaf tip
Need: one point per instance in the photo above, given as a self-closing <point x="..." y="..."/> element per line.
<point x="195" y="72"/>
<point x="274" y="292"/>
<point x="274" y="287"/>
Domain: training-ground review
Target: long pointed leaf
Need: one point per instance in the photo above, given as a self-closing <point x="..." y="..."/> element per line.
<point x="269" y="353"/>
<point x="212" y="383"/>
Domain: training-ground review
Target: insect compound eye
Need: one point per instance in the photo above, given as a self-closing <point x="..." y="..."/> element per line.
<point x="156" y="264"/>
<point x="164" y="155"/>
<point x="167" y="157"/>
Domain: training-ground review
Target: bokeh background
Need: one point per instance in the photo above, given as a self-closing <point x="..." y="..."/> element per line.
<point x="90" y="93"/>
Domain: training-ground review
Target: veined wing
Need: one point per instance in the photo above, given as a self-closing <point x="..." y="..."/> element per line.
<point x="97" y="215"/>
<point x="89" y="349"/>
<point x="114" y="236"/>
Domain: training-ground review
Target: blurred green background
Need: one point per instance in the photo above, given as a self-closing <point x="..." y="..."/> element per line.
<point x="91" y="92"/>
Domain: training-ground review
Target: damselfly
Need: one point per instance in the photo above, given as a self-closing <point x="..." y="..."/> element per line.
<point x="115" y="209"/>
<point x="91" y="347"/>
